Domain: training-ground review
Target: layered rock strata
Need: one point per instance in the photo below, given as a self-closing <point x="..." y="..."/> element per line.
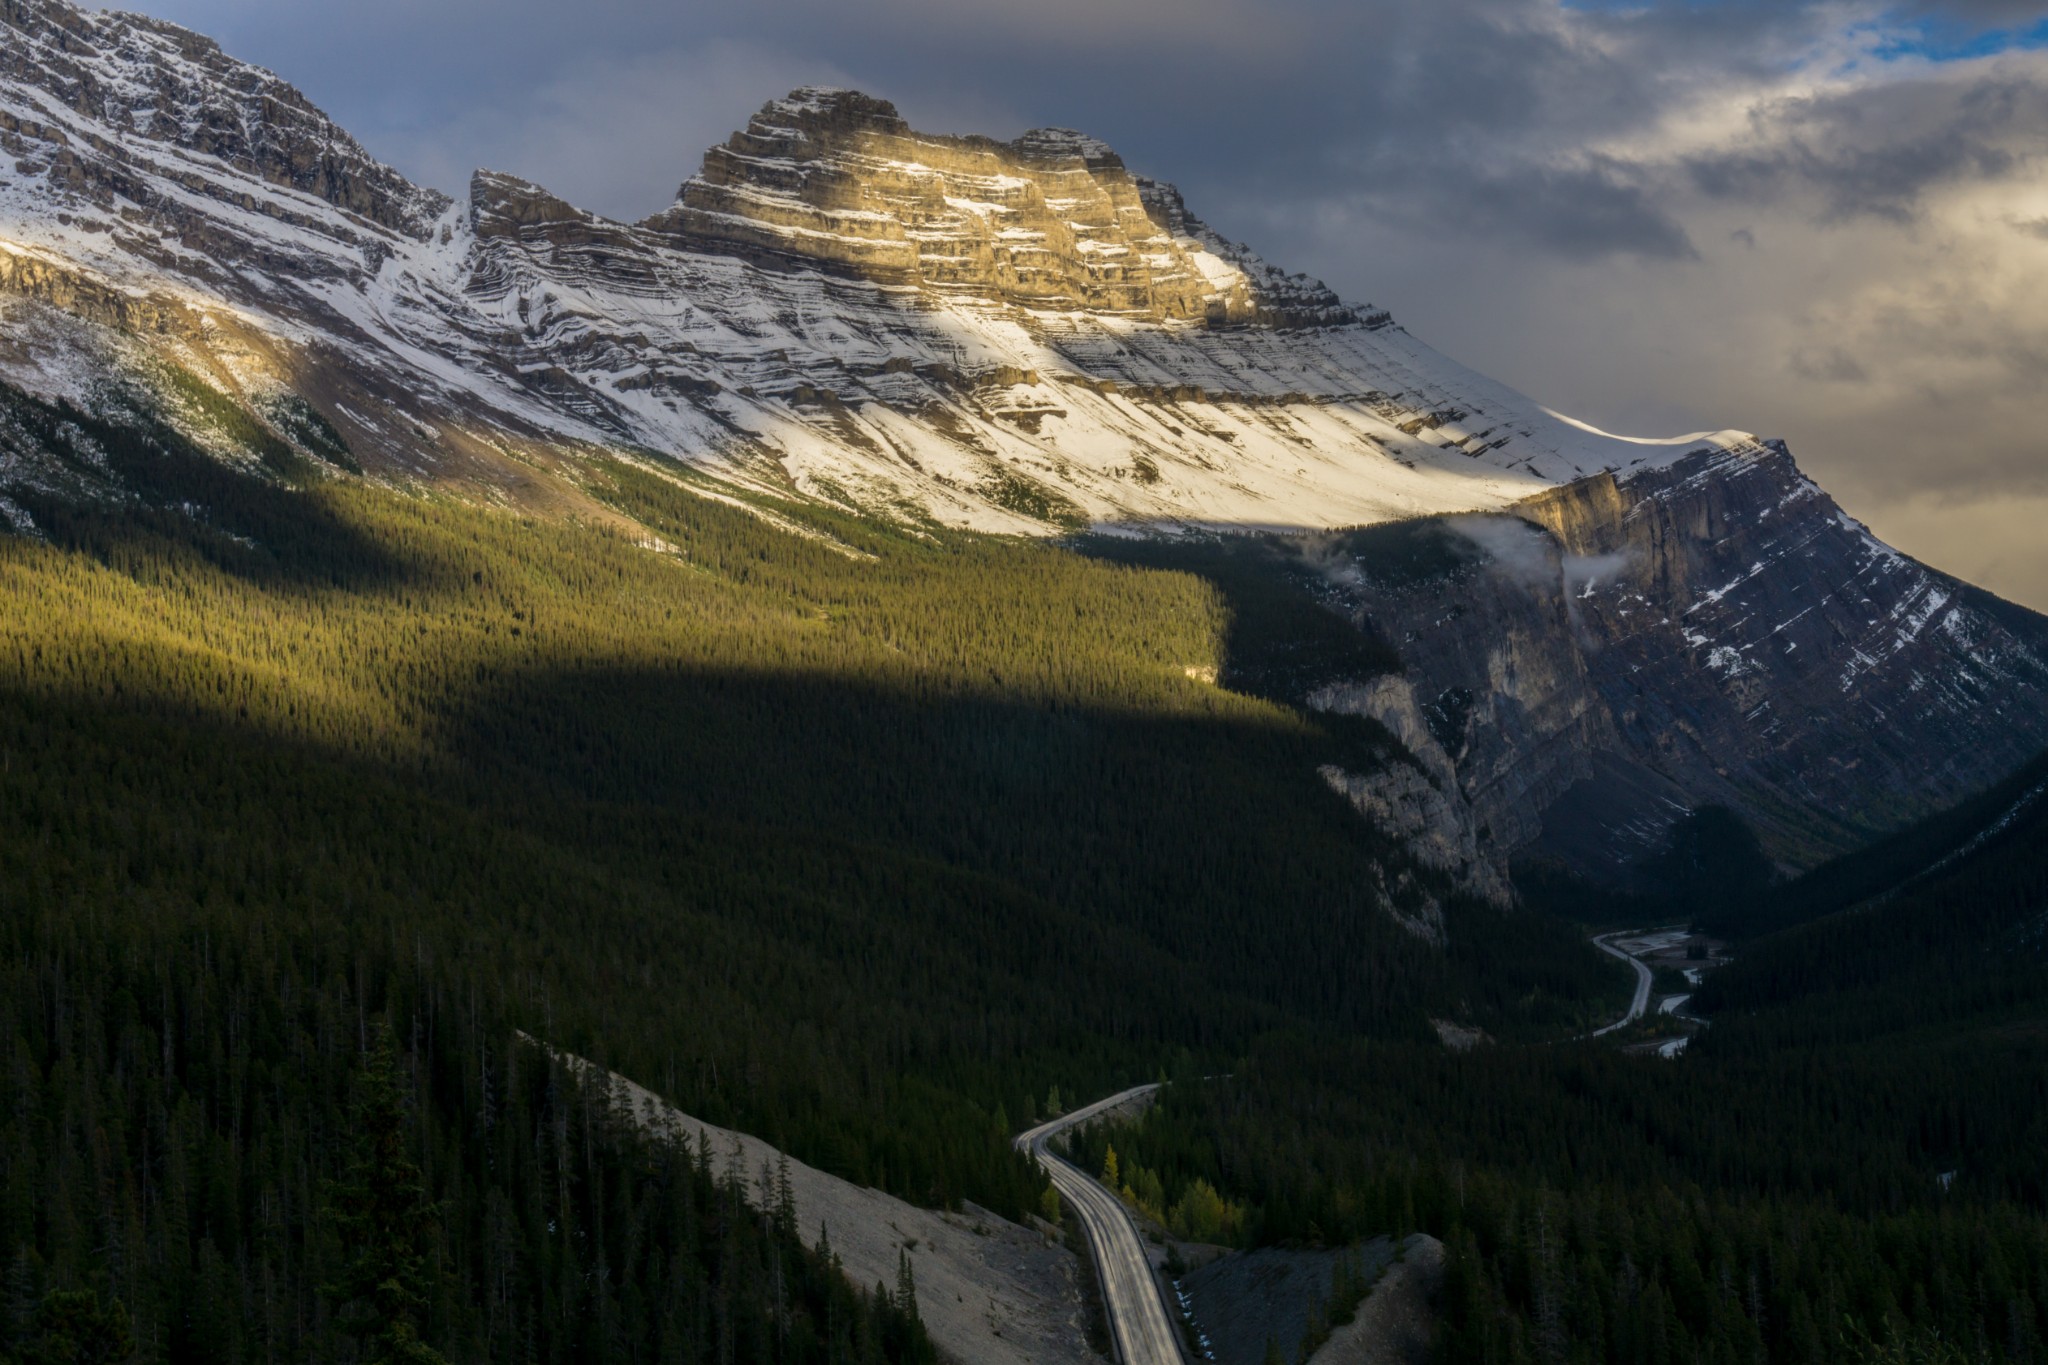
<point x="1050" y="220"/>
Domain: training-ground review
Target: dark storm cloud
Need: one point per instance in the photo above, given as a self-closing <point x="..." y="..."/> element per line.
<point x="1472" y="115"/>
<point x="1579" y="213"/>
<point x="1878" y="151"/>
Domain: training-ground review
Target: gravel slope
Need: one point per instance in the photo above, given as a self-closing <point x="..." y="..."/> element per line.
<point x="990" y="1292"/>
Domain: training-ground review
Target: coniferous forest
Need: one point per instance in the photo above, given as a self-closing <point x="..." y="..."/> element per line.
<point x="1850" y="1164"/>
<point x="317" y="795"/>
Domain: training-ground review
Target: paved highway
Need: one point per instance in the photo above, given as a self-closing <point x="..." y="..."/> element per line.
<point x="1143" y="1331"/>
<point x="1642" y="1000"/>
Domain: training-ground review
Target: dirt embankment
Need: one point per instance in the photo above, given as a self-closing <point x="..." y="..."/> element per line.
<point x="1247" y="1300"/>
<point x="990" y="1292"/>
<point x="1395" y="1323"/>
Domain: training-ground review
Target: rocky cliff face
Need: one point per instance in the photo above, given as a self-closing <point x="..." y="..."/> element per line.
<point x="1016" y="336"/>
<point x="1613" y="654"/>
<point x="70" y="70"/>
<point x="1050" y="220"/>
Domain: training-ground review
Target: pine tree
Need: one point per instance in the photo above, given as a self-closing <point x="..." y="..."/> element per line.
<point x="785" y="1199"/>
<point x="73" y="1329"/>
<point x="1548" y="1311"/>
<point x="18" y="1312"/>
<point x="906" y="1286"/>
<point x="382" y="1216"/>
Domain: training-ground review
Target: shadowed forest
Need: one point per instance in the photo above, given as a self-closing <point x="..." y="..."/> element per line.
<point x="859" y="839"/>
<point x="1847" y="1166"/>
<point x="862" y="839"/>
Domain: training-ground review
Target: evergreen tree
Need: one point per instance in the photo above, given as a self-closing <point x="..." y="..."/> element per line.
<point x="72" y="1328"/>
<point x="381" y="1214"/>
<point x="906" y="1285"/>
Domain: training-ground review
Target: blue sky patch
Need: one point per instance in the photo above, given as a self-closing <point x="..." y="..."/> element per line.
<point x="1944" y="40"/>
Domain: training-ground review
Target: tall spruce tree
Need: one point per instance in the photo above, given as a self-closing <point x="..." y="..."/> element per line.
<point x="381" y="1213"/>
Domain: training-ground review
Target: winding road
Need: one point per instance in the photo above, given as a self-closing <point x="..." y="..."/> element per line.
<point x="1642" y="1000"/>
<point x="1141" y="1326"/>
<point x="1143" y="1331"/>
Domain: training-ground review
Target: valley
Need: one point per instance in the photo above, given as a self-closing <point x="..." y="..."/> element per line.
<point x="1669" y="964"/>
<point x="665" y="758"/>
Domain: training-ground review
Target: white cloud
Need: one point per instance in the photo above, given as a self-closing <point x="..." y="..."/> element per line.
<point x="1869" y="275"/>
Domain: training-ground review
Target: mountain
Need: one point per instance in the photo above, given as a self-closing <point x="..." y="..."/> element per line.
<point x="918" y="633"/>
<point x="1015" y="337"/>
<point x="1003" y="336"/>
<point x="1622" y="652"/>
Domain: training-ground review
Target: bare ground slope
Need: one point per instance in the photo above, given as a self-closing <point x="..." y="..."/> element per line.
<point x="1397" y="1320"/>
<point x="990" y="1292"/>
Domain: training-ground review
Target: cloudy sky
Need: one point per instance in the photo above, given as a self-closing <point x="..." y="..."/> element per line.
<point x="1825" y="220"/>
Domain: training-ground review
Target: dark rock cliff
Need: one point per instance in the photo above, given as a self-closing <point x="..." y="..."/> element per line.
<point x="169" y="85"/>
<point x="1618" y="652"/>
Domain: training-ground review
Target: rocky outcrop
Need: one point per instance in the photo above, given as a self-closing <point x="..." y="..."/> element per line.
<point x="1277" y="299"/>
<point x="1422" y="801"/>
<point x="86" y="296"/>
<point x="166" y="84"/>
<point x="836" y="179"/>
<point x="1396" y="1325"/>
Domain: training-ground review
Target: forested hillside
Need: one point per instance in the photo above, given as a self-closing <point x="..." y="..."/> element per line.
<point x="861" y="839"/>
<point x="212" y="1152"/>
<point x="1953" y="951"/>
<point x="1848" y="1165"/>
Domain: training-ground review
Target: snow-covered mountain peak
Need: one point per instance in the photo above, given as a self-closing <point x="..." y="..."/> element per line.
<point x="1014" y="336"/>
<point x="77" y="72"/>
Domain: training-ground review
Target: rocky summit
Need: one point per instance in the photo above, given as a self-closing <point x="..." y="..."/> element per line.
<point x="1017" y="337"/>
<point x="1049" y="221"/>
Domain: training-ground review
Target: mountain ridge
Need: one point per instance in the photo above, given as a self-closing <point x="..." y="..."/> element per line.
<point x="1090" y="351"/>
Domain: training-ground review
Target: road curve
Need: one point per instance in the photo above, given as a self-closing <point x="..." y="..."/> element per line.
<point x="1143" y="1332"/>
<point x="1642" y="1000"/>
